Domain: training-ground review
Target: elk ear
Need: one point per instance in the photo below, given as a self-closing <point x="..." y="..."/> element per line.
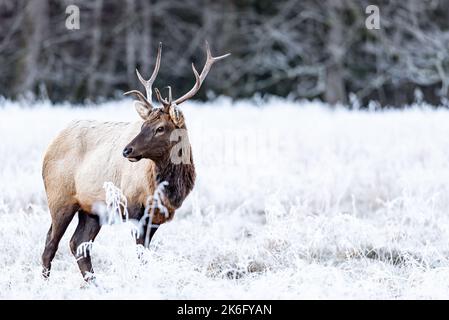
<point x="142" y="110"/>
<point x="176" y="115"/>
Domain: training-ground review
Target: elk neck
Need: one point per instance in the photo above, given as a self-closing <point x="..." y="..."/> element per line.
<point x="180" y="179"/>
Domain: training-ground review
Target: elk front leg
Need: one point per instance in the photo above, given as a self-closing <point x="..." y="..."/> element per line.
<point x="87" y="229"/>
<point x="148" y="232"/>
<point x="145" y="236"/>
<point x="136" y="212"/>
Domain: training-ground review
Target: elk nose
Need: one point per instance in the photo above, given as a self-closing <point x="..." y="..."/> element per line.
<point x="127" y="151"/>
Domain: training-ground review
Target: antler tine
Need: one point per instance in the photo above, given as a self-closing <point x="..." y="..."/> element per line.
<point x="163" y="101"/>
<point x="199" y="78"/>
<point x="209" y="55"/>
<point x="139" y="95"/>
<point x="170" y="99"/>
<point x="149" y="83"/>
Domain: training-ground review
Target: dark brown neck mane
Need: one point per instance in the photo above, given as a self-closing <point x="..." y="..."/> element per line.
<point x="180" y="179"/>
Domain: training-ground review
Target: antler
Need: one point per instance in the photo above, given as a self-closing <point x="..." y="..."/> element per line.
<point x="200" y="77"/>
<point x="148" y="83"/>
<point x="166" y="103"/>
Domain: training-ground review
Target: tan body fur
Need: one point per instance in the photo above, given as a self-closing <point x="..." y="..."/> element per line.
<point x="88" y="153"/>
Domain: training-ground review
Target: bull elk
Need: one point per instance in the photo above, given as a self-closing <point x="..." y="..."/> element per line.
<point x="136" y="157"/>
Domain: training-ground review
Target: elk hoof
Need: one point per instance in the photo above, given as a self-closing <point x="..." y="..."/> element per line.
<point x="45" y="273"/>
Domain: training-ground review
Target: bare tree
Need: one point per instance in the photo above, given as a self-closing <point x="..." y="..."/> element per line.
<point x="300" y="49"/>
<point x="37" y="25"/>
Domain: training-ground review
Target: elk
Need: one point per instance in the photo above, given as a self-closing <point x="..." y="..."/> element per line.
<point x="135" y="157"/>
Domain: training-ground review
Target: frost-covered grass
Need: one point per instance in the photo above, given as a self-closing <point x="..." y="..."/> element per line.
<point x="291" y="201"/>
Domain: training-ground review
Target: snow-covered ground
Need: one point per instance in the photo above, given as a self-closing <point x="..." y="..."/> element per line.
<point x="292" y="200"/>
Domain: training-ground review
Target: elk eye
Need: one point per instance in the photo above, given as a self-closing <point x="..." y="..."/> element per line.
<point x="160" y="129"/>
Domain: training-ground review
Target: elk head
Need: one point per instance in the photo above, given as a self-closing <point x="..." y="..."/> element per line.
<point x="154" y="140"/>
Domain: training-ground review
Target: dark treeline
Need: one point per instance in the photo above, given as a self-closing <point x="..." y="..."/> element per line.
<point x="296" y="48"/>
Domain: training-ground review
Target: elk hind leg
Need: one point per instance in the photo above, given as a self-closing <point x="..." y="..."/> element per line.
<point x="59" y="224"/>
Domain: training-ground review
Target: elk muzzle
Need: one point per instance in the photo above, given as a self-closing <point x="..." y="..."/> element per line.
<point x="128" y="154"/>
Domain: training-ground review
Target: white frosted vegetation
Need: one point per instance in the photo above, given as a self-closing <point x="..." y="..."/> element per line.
<point x="291" y="201"/>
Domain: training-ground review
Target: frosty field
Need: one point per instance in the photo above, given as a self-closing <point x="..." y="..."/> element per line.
<point x="292" y="200"/>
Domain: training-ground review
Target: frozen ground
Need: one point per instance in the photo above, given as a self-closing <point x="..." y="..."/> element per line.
<point x="291" y="201"/>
